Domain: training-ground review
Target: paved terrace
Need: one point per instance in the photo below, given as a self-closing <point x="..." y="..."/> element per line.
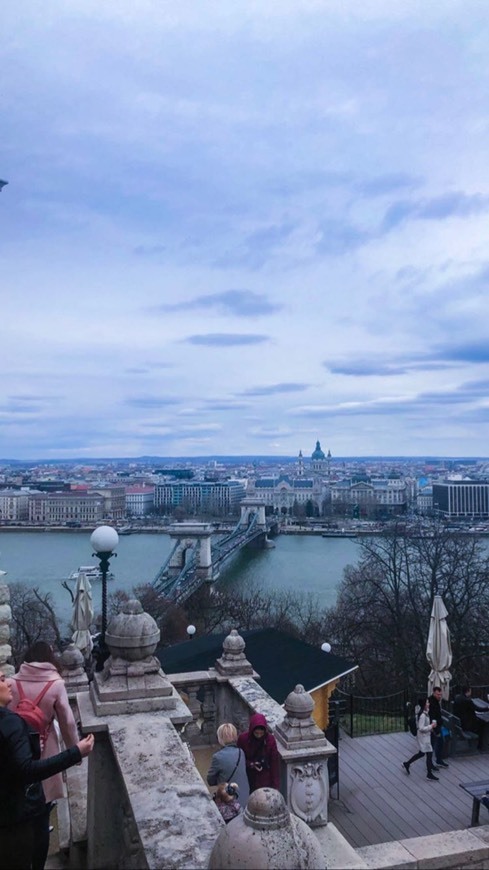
<point x="379" y="803"/>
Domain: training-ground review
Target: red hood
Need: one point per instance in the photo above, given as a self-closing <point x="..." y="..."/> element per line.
<point x="257" y="721"/>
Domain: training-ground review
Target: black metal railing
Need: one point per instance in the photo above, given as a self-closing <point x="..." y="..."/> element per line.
<point x="359" y="716"/>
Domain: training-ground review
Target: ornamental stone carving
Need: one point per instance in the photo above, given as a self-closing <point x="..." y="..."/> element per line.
<point x="233" y="662"/>
<point x="308" y="791"/>
<point x="266" y="837"/>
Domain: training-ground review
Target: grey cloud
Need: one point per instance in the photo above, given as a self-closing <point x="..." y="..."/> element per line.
<point x="338" y="237"/>
<point x="150" y="402"/>
<point x="242" y="303"/>
<point x="273" y="389"/>
<point x="257" y="247"/>
<point x="452" y="204"/>
<point x="381" y="185"/>
<point x="226" y="406"/>
<point x="224" y="339"/>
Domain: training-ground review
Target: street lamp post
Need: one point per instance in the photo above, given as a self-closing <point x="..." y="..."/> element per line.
<point x="191" y="629"/>
<point x="104" y="541"/>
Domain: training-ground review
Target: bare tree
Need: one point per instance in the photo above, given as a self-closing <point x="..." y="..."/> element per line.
<point x="33" y="619"/>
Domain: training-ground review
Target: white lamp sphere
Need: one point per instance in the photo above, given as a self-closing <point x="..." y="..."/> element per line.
<point x="326" y="647"/>
<point x="191" y="629"/>
<point x="104" y="539"/>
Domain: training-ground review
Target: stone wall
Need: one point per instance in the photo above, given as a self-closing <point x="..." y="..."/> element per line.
<point x="5" y="620"/>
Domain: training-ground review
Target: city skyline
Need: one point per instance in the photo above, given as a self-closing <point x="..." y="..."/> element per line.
<point x="232" y="229"/>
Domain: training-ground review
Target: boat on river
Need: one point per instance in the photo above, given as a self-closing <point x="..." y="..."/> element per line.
<point x="91" y="572"/>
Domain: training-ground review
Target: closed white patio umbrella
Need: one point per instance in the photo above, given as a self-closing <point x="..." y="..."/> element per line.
<point x="438" y="649"/>
<point x="82" y="615"/>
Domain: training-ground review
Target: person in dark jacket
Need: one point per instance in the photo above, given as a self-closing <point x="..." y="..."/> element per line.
<point x="24" y="821"/>
<point x="262" y="758"/>
<point x="436" y="735"/>
<point x="465" y="709"/>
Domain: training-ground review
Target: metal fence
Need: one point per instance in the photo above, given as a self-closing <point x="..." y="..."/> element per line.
<point x="359" y="716"/>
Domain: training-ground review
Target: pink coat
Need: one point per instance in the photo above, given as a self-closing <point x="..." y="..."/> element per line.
<point x="54" y="705"/>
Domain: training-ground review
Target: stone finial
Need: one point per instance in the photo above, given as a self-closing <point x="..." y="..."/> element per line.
<point x="266" y="835"/>
<point x="5" y="620"/>
<point x="133" y="634"/>
<point x="298" y="730"/>
<point x="132" y="679"/>
<point x="72" y="665"/>
<point x="233" y="661"/>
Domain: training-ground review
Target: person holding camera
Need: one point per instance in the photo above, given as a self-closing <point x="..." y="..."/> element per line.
<point x="262" y="758"/>
<point x="229" y="762"/>
<point x="226" y="800"/>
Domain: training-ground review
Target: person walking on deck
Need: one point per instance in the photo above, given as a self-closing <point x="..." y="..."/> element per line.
<point x="423" y="738"/>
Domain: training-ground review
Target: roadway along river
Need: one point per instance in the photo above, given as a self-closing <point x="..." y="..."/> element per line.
<point x="301" y="562"/>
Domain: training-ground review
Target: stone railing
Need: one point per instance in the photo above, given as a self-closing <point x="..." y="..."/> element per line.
<point x="5" y="620"/>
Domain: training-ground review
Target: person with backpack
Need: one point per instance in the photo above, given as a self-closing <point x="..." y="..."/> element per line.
<point x="23" y="816"/>
<point x="425" y="728"/>
<point x="40" y="697"/>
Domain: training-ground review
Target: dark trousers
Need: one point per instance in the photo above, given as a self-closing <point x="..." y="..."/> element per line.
<point x="429" y="760"/>
<point x="25" y="846"/>
<point x="437" y="743"/>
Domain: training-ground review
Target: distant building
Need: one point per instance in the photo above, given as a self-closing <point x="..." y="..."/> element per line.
<point x="462" y="498"/>
<point x="14" y="505"/>
<point x="58" y="508"/>
<point x="114" y="500"/>
<point x="287" y="494"/>
<point x="320" y="463"/>
<point x="140" y="500"/>
<point x="363" y="496"/>
<point x="200" y="496"/>
<point x="424" y="500"/>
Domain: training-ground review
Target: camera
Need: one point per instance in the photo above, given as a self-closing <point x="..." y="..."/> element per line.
<point x="231" y="790"/>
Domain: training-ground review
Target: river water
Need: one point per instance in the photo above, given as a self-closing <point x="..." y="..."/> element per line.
<point x="304" y="563"/>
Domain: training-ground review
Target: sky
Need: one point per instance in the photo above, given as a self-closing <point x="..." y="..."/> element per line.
<point x="238" y="227"/>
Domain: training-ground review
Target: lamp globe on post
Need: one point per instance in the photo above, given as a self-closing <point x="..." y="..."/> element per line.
<point x="104" y="541"/>
<point x="326" y="647"/>
<point x="191" y="629"/>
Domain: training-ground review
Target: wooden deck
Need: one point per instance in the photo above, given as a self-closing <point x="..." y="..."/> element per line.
<point x="379" y="802"/>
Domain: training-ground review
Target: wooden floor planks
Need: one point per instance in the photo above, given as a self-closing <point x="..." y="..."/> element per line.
<point x="379" y="802"/>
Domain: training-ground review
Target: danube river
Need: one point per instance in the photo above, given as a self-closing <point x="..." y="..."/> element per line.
<point x="304" y="563"/>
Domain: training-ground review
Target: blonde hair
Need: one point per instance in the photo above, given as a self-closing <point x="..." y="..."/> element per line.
<point x="226" y="733"/>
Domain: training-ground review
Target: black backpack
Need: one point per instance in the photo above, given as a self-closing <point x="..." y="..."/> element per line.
<point x="413" y="725"/>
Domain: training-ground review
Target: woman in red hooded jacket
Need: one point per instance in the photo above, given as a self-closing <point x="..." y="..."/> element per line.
<point x="262" y="758"/>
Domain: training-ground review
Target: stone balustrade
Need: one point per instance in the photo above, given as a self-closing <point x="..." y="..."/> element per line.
<point x="5" y="620"/>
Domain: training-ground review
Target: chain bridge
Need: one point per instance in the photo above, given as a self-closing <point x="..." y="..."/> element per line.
<point x="194" y="559"/>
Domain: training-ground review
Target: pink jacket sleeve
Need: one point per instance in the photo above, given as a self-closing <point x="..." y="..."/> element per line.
<point x="66" y="720"/>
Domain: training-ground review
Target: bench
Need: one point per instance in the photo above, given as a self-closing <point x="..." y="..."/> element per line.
<point x="478" y="791"/>
<point x="459" y="741"/>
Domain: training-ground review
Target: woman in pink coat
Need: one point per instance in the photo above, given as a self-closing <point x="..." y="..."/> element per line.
<point x="38" y="668"/>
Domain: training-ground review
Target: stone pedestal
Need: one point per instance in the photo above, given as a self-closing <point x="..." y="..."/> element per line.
<point x="304" y="751"/>
<point x="73" y="671"/>
<point x="233" y="662"/>
<point x="5" y="620"/>
<point x="132" y="680"/>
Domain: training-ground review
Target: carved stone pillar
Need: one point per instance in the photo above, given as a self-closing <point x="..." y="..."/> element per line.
<point x="209" y="713"/>
<point x="233" y="661"/>
<point x="5" y="620"/>
<point x="193" y="730"/>
<point x="304" y="751"/>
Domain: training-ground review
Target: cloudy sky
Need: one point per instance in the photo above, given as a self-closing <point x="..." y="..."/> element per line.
<point x="236" y="227"/>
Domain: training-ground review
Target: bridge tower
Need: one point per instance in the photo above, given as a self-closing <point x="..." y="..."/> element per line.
<point x="192" y="539"/>
<point x="250" y="507"/>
